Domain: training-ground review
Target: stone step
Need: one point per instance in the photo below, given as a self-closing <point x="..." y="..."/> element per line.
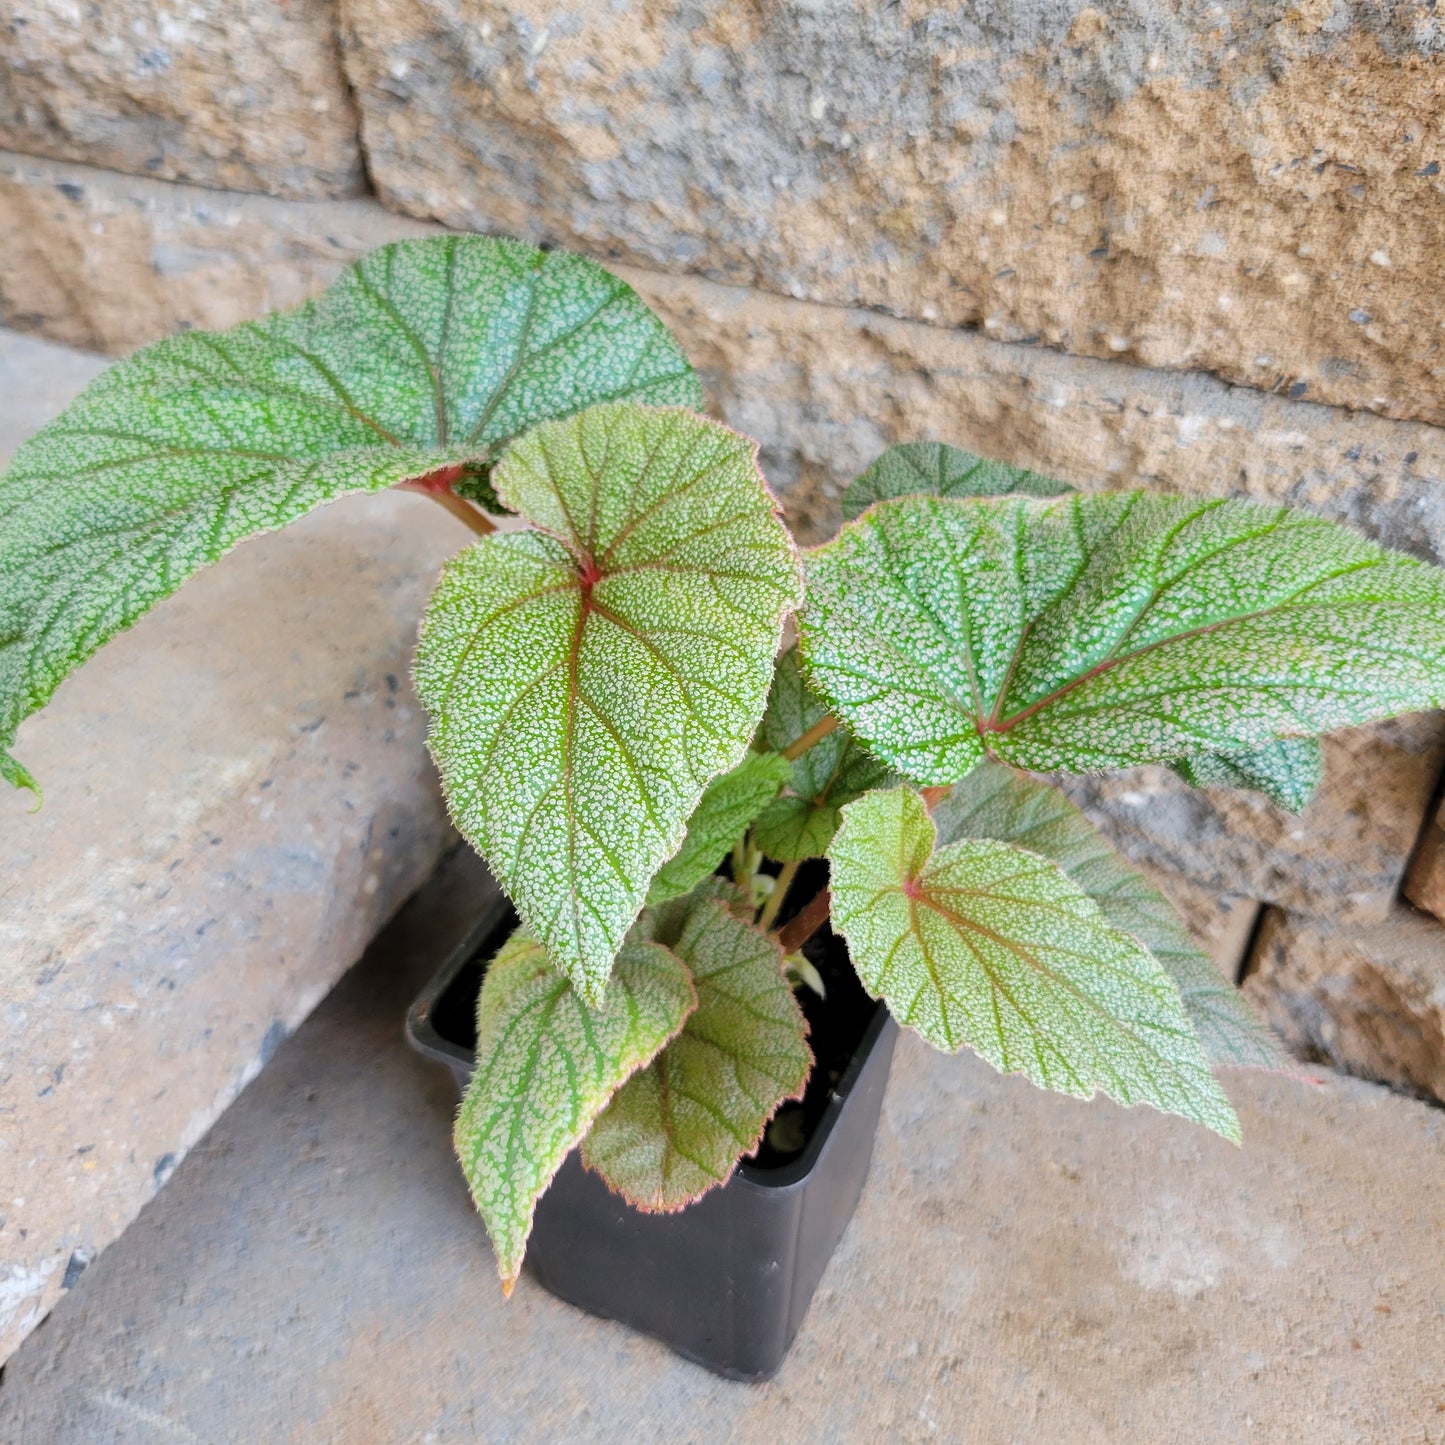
<point x="237" y="797"/>
<point x="1022" y="1267"/>
<point x="1369" y="999"/>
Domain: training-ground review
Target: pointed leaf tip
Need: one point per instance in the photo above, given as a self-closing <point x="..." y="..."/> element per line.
<point x="587" y="681"/>
<point x="546" y="1065"/>
<point x="985" y="945"/>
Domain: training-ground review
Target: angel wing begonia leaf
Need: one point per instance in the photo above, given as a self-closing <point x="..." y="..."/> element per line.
<point x="834" y="771"/>
<point x="547" y="1064"/>
<point x="1287" y="771"/>
<point x="993" y="801"/>
<point x="985" y="944"/>
<point x="586" y="681"/>
<point x="936" y="469"/>
<point x="675" y="1129"/>
<point x="424" y="358"/>
<point x="1112" y="629"/>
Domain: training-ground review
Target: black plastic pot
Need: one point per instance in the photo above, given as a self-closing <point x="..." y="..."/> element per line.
<point x="727" y="1281"/>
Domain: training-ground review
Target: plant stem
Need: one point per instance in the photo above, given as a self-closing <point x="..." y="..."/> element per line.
<point x="464" y="512"/>
<point x="804" y="924"/>
<point x="815" y="734"/>
<point x="781" y="884"/>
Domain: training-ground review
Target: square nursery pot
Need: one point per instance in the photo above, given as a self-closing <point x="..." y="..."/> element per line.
<point x="726" y="1281"/>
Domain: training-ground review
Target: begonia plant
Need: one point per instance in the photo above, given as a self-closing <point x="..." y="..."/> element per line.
<point x="627" y="731"/>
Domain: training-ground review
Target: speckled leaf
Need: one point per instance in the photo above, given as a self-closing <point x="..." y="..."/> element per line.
<point x="1107" y="630"/>
<point x="676" y="1128"/>
<point x="834" y="771"/>
<point x="1287" y="771"/>
<point x="935" y="469"/>
<point x="727" y="809"/>
<point x="993" y="801"/>
<point x="546" y="1066"/>
<point x="425" y="355"/>
<point x="587" y="681"/>
<point x="985" y="944"/>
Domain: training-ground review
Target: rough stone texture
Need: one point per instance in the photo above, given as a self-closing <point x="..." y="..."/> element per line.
<point x="237" y="797"/>
<point x="1248" y="188"/>
<point x="110" y="262"/>
<point x="1425" y="883"/>
<point x="1021" y="1267"/>
<point x="1223" y="924"/>
<point x="113" y="262"/>
<point x="1367" y="1000"/>
<point x="247" y="97"/>
<point x="1344" y="857"/>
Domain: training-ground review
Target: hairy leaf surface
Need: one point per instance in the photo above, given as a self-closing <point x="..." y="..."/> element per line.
<point x="677" y="1127"/>
<point x="993" y="801"/>
<point x="425" y="355"/>
<point x="985" y="944"/>
<point x="834" y="771"/>
<point x="935" y="469"/>
<point x="728" y="807"/>
<point x="1107" y="630"/>
<point x="588" y="680"/>
<point x="546" y="1065"/>
<point x="1287" y="771"/>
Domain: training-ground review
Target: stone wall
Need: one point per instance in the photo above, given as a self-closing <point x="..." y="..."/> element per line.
<point x="1191" y="246"/>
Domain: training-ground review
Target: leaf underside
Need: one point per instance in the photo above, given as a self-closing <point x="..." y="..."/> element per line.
<point x="995" y="802"/>
<point x="1287" y="771"/>
<point x="546" y="1066"/>
<point x="586" y="681"/>
<point x="727" y="808"/>
<point x="936" y="469"/>
<point x="678" y="1127"/>
<point x="426" y="354"/>
<point x="1108" y="630"/>
<point x="834" y="771"/>
<point x="984" y="944"/>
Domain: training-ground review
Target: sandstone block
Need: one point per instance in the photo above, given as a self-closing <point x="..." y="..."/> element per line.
<point x="1343" y="858"/>
<point x="245" y="97"/>
<point x="113" y="262"/>
<point x="1249" y="189"/>
<point x="1425" y="885"/>
<point x="1369" y="1000"/>
<point x="237" y="796"/>
<point x="110" y="262"/>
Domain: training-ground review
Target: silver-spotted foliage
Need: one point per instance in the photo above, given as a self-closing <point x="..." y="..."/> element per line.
<point x="654" y="782"/>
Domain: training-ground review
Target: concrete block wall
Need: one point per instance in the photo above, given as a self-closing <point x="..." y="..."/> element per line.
<point x="1188" y="246"/>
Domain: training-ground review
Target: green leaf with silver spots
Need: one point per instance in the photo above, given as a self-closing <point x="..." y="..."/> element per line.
<point x="986" y="945"/>
<point x="993" y="801"/>
<point x="1287" y="771"/>
<point x="935" y="469"/>
<point x="1108" y="630"/>
<point x="678" y="1127"/>
<point x="726" y="811"/>
<point x="547" y="1063"/>
<point x="834" y="771"/>
<point x="586" y="681"/>
<point x="425" y="356"/>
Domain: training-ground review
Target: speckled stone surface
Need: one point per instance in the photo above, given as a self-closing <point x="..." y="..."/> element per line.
<point x="1021" y="1268"/>
<point x="1249" y="187"/>
<point x="237" y="797"/>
